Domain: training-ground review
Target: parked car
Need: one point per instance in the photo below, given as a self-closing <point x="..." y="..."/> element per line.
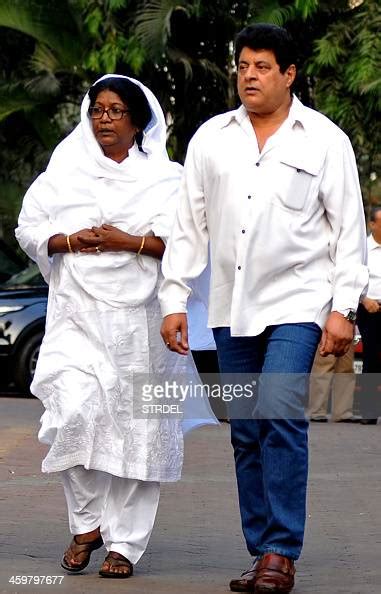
<point x="10" y="261"/>
<point x="23" y="300"/>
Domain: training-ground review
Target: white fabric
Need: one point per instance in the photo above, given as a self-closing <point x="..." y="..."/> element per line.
<point x="286" y="230"/>
<point x="200" y="337"/>
<point x="103" y="318"/>
<point x="374" y="265"/>
<point x="124" y="509"/>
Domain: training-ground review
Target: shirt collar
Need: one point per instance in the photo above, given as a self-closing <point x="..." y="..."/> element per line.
<point x="298" y="114"/>
<point x="372" y="243"/>
<point x="237" y="115"/>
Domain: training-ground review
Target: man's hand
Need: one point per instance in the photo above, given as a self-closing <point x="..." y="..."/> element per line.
<point x="173" y="326"/>
<point x="337" y="335"/>
<point x="371" y="305"/>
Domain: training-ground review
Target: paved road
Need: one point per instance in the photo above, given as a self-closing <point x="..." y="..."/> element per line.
<point x="197" y="545"/>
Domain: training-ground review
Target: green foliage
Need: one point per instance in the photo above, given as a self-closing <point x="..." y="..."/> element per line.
<point x="50" y="23"/>
<point x="346" y="67"/>
<point x="51" y="51"/>
<point x="153" y="23"/>
<point x="306" y="8"/>
<point x="111" y="41"/>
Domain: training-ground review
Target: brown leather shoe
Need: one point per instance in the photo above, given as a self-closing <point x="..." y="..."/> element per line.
<point x="275" y="574"/>
<point x="246" y="582"/>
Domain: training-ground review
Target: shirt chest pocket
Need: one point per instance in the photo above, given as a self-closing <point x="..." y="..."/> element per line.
<point x="295" y="177"/>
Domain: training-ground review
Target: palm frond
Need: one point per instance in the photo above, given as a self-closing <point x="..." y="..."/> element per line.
<point x="14" y="97"/>
<point x="374" y="86"/>
<point x="43" y="86"/>
<point x="48" y="22"/>
<point x="273" y="12"/>
<point x="214" y="70"/>
<point x="44" y="60"/>
<point x="306" y="8"/>
<point x="153" y="23"/>
<point x="180" y="57"/>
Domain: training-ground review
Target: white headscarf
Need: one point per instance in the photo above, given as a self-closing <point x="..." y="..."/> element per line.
<point x="81" y="149"/>
<point x="74" y="192"/>
<point x="154" y="134"/>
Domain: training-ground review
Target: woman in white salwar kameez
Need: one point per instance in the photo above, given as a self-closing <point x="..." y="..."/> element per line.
<point x="95" y="222"/>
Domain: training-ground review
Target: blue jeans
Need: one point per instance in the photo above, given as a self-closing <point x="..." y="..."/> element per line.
<point x="271" y="454"/>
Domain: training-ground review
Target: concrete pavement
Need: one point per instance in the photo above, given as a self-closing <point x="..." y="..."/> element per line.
<point x="197" y="546"/>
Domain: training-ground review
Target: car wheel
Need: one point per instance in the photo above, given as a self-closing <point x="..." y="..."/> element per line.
<point x="25" y="364"/>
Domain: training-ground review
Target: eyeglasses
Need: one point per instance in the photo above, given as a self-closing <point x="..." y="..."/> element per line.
<point x="114" y="113"/>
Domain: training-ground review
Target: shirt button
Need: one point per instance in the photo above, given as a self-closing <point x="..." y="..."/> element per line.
<point x="243" y="231"/>
<point x="249" y="197"/>
<point x="257" y="164"/>
<point x="239" y="267"/>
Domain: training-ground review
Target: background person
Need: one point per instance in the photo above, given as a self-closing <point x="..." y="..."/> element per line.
<point x="273" y="187"/>
<point x="369" y="324"/>
<point x="335" y="377"/>
<point x="95" y="222"/>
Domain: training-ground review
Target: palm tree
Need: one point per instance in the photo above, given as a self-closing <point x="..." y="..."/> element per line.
<point x="42" y="48"/>
<point x="346" y="67"/>
<point x="59" y="46"/>
<point x="189" y="45"/>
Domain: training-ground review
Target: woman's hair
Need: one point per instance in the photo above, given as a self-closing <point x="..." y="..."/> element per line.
<point x="132" y="95"/>
<point x="264" y="36"/>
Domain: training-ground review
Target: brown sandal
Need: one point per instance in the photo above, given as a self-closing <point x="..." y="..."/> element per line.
<point x="115" y="559"/>
<point x="75" y="549"/>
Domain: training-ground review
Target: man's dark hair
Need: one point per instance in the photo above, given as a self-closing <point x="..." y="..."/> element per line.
<point x="263" y="36"/>
<point x="373" y="211"/>
<point x="132" y="95"/>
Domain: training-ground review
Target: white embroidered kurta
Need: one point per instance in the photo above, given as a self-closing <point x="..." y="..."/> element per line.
<point x="103" y="318"/>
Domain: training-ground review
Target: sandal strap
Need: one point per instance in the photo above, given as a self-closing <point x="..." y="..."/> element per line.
<point x="89" y="546"/>
<point x="117" y="560"/>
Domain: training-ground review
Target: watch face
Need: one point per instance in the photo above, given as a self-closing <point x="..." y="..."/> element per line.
<point x="351" y="316"/>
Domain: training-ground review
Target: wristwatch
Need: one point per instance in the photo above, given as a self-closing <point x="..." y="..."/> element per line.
<point x="350" y="316"/>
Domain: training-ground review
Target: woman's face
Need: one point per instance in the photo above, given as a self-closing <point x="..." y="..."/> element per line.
<point x="114" y="136"/>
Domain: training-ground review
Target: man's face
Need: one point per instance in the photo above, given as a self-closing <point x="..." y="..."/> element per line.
<point x="375" y="226"/>
<point x="262" y="87"/>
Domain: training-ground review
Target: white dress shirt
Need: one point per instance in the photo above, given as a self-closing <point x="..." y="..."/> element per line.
<point x="374" y="265"/>
<point x="286" y="225"/>
<point x="200" y="337"/>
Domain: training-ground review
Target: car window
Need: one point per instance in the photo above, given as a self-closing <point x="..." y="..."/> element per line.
<point x="30" y="277"/>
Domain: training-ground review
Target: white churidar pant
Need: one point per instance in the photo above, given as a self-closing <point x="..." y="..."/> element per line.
<point x="125" y="509"/>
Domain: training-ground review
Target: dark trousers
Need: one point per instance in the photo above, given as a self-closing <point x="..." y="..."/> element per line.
<point x="207" y="366"/>
<point x="369" y="325"/>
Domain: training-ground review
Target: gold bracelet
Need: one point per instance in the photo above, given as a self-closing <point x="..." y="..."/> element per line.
<point x="141" y="246"/>
<point x="69" y="244"/>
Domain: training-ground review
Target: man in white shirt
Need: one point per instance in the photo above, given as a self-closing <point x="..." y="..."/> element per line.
<point x="273" y="188"/>
<point x="369" y="323"/>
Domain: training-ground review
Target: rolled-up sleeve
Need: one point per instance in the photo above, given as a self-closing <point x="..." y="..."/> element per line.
<point x="341" y="195"/>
